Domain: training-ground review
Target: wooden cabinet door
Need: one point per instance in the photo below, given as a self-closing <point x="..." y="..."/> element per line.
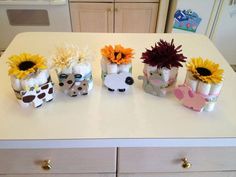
<point x="192" y="174"/>
<point x="62" y="161"/>
<point x="136" y="17"/>
<point x="60" y="175"/>
<point x="154" y="159"/>
<point x="92" y="17"/>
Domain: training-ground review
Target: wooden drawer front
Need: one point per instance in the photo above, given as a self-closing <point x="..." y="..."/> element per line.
<point x="59" y="175"/>
<point x="84" y="160"/>
<point x="192" y="174"/>
<point x="135" y="160"/>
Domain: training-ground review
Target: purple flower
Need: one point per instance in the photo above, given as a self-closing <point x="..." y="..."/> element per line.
<point x="164" y="54"/>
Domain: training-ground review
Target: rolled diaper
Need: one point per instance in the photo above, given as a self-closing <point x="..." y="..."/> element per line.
<point x="145" y="68"/>
<point x="191" y="82"/>
<point x="67" y="70"/>
<point x="28" y="83"/>
<point x="42" y="77"/>
<point x="209" y="106"/>
<point x="112" y="68"/>
<point x="82" y="68"/>
<point x="173" y="72"/>
<point x="215" y="89"/>
<point x="124" y="68"/>
<point x="165" y="73"/>
<point x="104" y="63"/>
<point x="203" y="88"/>
<point x="90" y="86"/>
<point x="16" y="84"/>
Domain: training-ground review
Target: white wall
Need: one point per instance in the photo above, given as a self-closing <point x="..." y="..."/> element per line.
<point x="224" y="35"/>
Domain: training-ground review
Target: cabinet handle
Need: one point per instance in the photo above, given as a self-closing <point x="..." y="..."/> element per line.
<point x="46" y="165"/>
<point x="185" y="163"/>
<point x="109" y="10"/>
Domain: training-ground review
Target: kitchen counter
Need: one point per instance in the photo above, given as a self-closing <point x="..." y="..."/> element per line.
<point x="105" y="119"/>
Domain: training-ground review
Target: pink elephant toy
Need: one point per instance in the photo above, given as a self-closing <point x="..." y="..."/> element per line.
<point x="189" y="98"/>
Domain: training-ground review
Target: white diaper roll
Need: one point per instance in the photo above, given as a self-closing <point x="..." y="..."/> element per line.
<point x="189" y="75"/>
<point x="165" y="73"/>
<point x="215" y="89"/>
<point x="203" y="88"/>
<point x="104" y="63"/>
<point x="27" y="83"/>
<point x="124" y="67"/>
<point x="112" y="68"/>
<point x="67" y="70"/>
<point x="16" y="84"/>
<point x="145" y="68"/>
<point x="90" y="86"/>
<point x="173" y="72"/>
<point x="191" y="81"/>
<point x="42" y="77"/>
<point x="82" y="68"/>
<point x="209" y="106"/>
<point x="76" y="69"/>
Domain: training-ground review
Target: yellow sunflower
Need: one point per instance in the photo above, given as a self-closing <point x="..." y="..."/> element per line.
<point x="118" y="54"/>
<point x="25" y="64"/>
<point x="205" y="70"/>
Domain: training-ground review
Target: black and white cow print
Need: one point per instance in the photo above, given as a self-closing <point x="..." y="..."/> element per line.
<point x="68" y="83"/>
<point x="38" y="96"/>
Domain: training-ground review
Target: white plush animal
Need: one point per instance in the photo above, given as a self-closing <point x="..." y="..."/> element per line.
<point x="120" y="82"/>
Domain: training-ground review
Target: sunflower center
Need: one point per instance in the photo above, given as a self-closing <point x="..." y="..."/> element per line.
<point x="25" y="65"/>
<point x="203" y="71"/>
<point x="122" y="55"/>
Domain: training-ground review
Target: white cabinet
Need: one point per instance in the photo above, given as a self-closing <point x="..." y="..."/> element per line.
<point x="135" y="17"/>
<point x="193" y="174"/>
<point x="61" y="175"/>
<point x="95" y="162"/>
<point x="168" y="162"/>
<point x="119" y="16"/>
<point x="92" y="17"/>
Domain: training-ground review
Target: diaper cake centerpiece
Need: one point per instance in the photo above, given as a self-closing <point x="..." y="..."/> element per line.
<point x="116" y="64"/>
<point x="202" y="86"/>
<point x="30" y="79"/>
<point x="74" y="70"/>
<point x="161" y="64"/>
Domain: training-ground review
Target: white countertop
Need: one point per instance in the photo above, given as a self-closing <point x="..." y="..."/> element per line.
<point x="103" y="118"/>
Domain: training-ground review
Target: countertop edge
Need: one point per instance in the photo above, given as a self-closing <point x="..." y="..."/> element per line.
<point x="106" y="143"/>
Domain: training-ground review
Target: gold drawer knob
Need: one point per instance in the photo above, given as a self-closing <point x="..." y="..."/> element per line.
<point x="46" y="165"/>
<point x="185" y="163"/>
